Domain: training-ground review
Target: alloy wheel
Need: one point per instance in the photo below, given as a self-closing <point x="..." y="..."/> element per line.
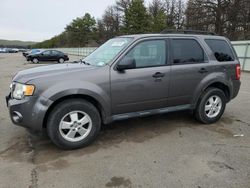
<point x="75" y="126"/>
<point x="213" y="106"/>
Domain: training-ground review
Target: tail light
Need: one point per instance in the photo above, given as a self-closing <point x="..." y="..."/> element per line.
<point x="238" y="72"/>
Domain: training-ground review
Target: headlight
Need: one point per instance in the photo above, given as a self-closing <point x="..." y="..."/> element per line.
<point x="21" y="90"/>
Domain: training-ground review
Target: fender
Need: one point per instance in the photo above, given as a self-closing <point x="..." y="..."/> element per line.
<point x="216" y="77"/>
<point x="67" y="88"/>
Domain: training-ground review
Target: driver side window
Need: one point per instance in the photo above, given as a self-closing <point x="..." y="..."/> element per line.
<point x="148" y="53"/>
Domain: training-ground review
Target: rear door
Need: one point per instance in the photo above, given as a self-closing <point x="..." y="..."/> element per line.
<point x="56" y="55"/>
<point x="225" y="57"/>
<point x="46" y="55"/>
<point x="146" y="86"/>
<point x="189" y="66"/>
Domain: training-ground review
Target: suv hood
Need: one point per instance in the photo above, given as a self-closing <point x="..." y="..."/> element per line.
<point x="49" y="70"/>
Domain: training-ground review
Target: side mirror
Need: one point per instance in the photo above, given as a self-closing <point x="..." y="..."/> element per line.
<point x="126" y="63"/>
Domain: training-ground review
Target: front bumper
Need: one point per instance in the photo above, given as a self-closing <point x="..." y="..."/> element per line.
<point x="28" y="112"/>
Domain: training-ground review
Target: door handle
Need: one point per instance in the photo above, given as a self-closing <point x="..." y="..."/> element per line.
<point x="203" y="70"/>
<point x="158" y="75"/>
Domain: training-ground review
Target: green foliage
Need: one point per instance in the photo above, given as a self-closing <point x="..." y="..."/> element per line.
<point x="56" y="41"/>
<point x="137" y="19"/>
<point x="227" y="17"/>
<point x="158" y="22"/>
<point x="81" y="30"/>
<point x="158" y="16"/>
<point x="125" y="17"/>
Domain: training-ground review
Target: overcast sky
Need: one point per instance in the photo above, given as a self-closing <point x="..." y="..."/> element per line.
<point x="37" y="20"/>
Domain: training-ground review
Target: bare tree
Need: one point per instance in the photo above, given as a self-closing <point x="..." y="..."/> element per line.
<point x="111" y="21"/>
<point x="175" y="13"/>
<point x="109" y="26"/>
<point x="244" y="19"/>
<point x="170" y="12"/>
<point x="225" y="17"/>
<point x="179" y="14"/>
<point x="122" y="6"/>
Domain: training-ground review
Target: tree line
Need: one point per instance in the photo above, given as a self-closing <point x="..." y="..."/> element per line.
<point x="230" y="18"/>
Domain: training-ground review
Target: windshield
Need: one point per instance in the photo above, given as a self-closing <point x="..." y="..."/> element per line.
<point x="34" y="51"/>
<point x="105" y="53"/>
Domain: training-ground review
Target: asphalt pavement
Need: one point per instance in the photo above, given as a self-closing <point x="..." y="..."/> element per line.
<point x="171" y="150"/>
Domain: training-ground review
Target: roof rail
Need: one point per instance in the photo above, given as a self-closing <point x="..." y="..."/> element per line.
<point x="197" y="32"/>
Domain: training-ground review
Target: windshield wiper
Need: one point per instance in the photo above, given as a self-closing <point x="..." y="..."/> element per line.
<point x="84" y="62"/>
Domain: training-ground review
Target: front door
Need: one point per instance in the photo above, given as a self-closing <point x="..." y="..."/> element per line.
<point x="55" y="55"/>
<point x="146" y="86"/>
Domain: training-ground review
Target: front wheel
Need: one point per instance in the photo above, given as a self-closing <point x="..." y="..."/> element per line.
<point x="73" y="124"/>
<point x="211" y="106"/>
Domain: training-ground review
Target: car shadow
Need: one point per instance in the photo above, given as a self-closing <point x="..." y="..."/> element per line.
<point x="138" y="130"/>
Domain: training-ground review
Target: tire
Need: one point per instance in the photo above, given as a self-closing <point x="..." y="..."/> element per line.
<point x="61" y="60"/>
<point x="207" y="111"/>
<point x="35" y="60"/>
<point x="63" y="122"/>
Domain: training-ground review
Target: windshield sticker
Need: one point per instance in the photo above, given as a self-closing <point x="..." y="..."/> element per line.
<point x="118" y="43"/>
<point x="100" y="64"/>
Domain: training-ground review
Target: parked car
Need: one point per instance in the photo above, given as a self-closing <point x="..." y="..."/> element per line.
<point x="29" y="52"/>
<point x="48" y="55"/>
<point x="15" y="50"/>
<point x="128" y="76"/>
<point x="2" y="50"/>
<point x="22" y="50"/>
<point x="11" y="50"/>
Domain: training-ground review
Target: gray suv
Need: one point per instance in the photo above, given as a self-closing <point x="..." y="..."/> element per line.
<point x="128" y="76"/>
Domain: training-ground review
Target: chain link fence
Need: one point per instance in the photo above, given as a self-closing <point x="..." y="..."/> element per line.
<point x="83" y="52"/>
<point x="242" y="49"/>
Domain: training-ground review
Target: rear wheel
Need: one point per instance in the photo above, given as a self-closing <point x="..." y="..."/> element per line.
<point x="35" y="60"/>
<point x="61" y="60"/>
<point x="73" y="124"/>
<point x="211" y="106"/>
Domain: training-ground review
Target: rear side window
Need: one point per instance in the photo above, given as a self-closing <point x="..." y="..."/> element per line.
<point x="221" y="49"/>
<point x="47" y="52"/>
<point x="187" y="51"/>
<point x="56" y="52"/>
